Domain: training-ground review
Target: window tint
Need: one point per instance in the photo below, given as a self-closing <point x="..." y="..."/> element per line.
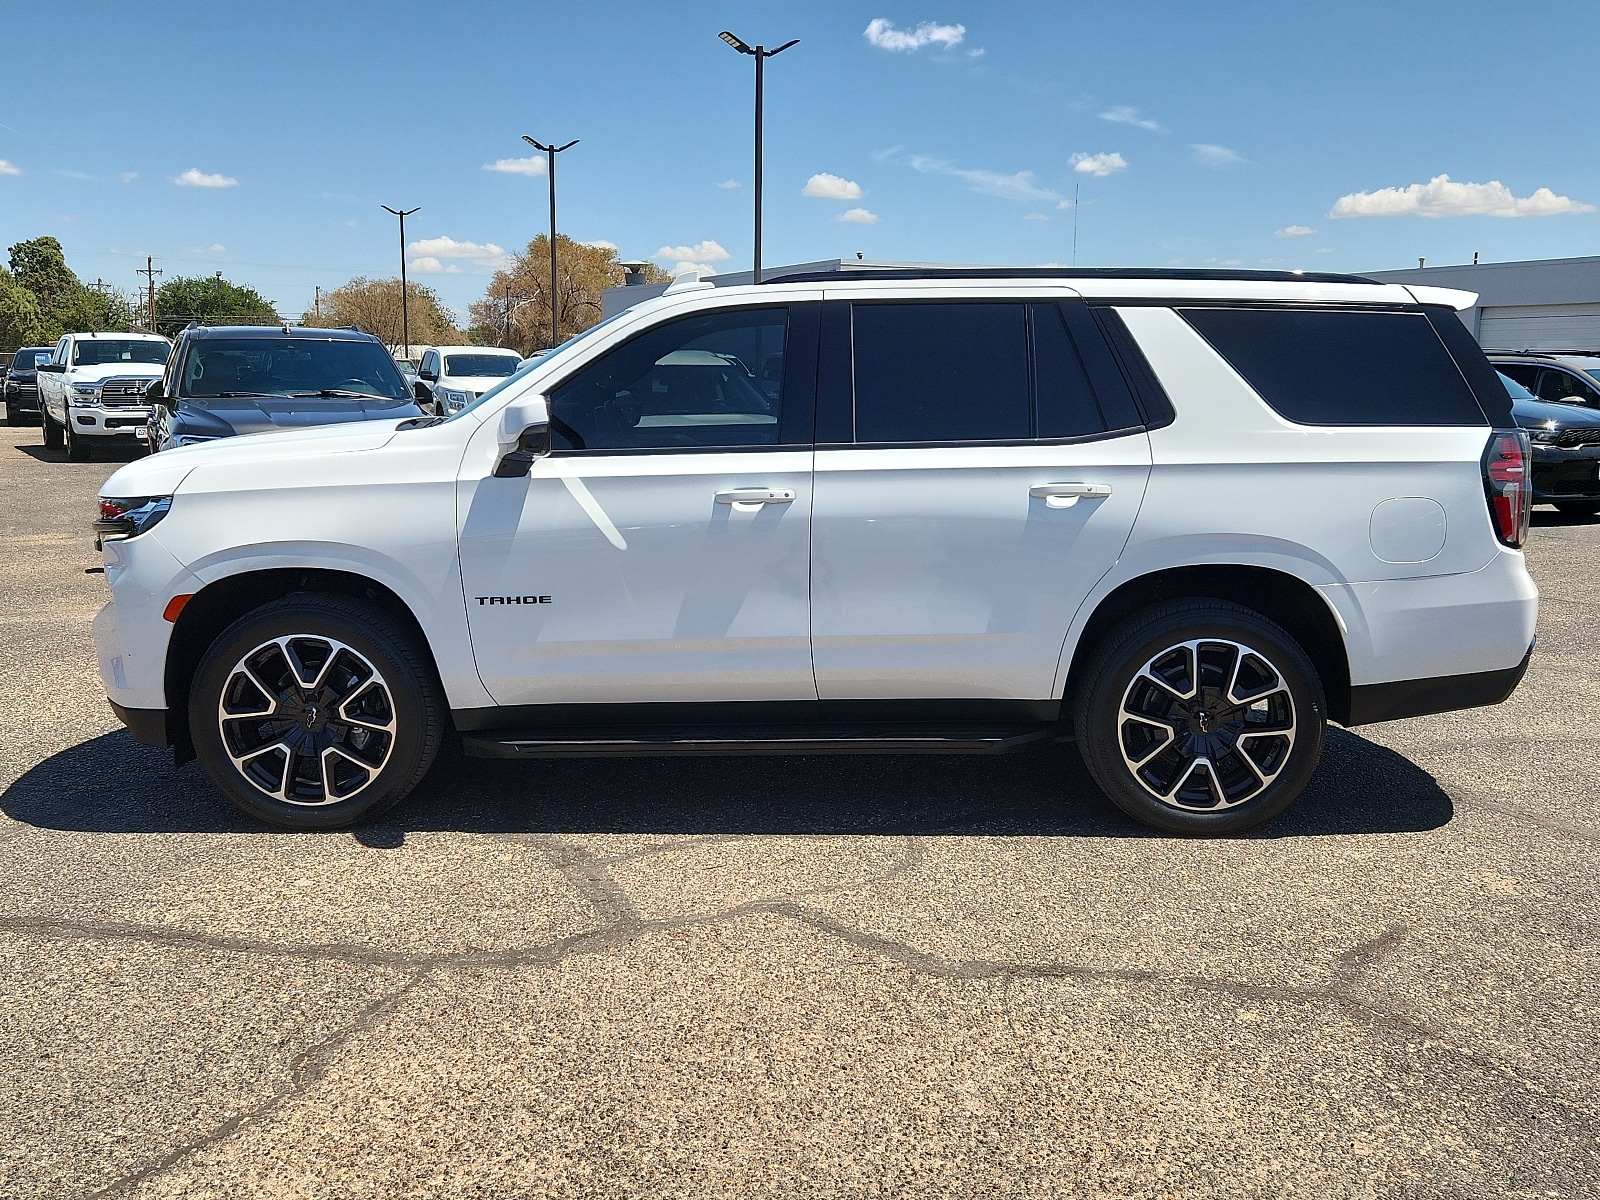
<point x="1524" y="374"/>
<point x="941" y="372"/>
<point x="709" y="380"/>
<point x="1562" y="385"/>
<point x="1324" y="367"/>
<point x="1065" y="402"/>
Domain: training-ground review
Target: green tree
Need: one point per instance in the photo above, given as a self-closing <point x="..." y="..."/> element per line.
<point x="515" y="310"/>
<point x="21" y="322"/>
<point x="65" y="305"/>
<point x="373" y="305"/>
<point x="211" y="300"/>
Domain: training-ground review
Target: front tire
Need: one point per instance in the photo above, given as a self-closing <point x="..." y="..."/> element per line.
<point x="52" y="431"/>
<point x="77" y="446"/>
<point x="1200" y="716"/>
<point x="314" y="712"/>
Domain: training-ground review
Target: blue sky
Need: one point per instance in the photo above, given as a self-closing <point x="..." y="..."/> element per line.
<point x="1194" y="133"/>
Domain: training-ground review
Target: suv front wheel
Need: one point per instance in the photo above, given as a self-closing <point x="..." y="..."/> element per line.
<point x="312" y="712"/>
<point x="1200" y="716"/>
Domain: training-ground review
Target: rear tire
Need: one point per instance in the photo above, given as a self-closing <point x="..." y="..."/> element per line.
<point x="315" y="711"/>
<point x="52" y="431"/>
<point x="1578" y="508"/>
<point x="1199" y="716"/>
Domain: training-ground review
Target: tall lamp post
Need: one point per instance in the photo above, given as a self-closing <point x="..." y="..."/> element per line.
<point x="760" y="54"/>
<point x="555" y="306"/>
<point x="405" y="292"/>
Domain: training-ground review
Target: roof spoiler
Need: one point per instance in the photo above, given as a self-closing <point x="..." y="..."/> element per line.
<point x="1448" y="297"/>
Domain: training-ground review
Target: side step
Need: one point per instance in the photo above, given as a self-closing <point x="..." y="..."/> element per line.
<point x="645" y="741"/>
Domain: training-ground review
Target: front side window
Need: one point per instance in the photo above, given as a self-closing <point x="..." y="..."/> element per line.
<point x="481" y="364"/>
<point x="99" y="351"/>
<point x="1563" y="387"/>
<point x="299" y="367"/>
<point x="1335" y="367"/>
<point x="704" y="381"/>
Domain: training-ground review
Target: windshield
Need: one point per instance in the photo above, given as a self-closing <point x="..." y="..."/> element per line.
<point x="544" y="357"/>
<point x="481" y="364"/>
<point x="291" y="366"/>
<point x="96" y="351"/>
<point x="27" y="359"/>
<point x="1518" y="392"/>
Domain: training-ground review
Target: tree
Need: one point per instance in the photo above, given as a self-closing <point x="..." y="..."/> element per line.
<point x="515" y="310"/>
<point x="373" y="305"/>
<point x="21" y="322"/>
<point x="211" y="300"/>
<point x="39" y="268"/>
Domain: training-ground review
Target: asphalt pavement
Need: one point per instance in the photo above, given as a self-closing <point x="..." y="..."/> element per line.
<point x="791" y="976"/>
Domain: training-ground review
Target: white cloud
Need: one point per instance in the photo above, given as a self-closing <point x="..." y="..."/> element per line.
<point x="700" y="268"/>
<point x="535" y="165"/>
<point x="1036" y="217"/>
<point x="831" y="187"/>
<point x="859" y="216"/>
<point x="730" y="183"/>
<point x="214" y="248"/>
<point x="128" y="176"/>
<point x="978" y="53"/>
<point x="1207" y="154"/>
<point x="1442" y="197"/>
<point x="1225" y="262"/>
<point x="696" y="255"/>
<point x="431" y="252"/>
<point x="1124" y="114"/>
<point x="1324" y="249"/>
<point x="195" y="177"/>
<point x="1099" y="165"/>
<point x="882" y="34"/>
<point x="1018" y="186"/>
<point x="7" y="168"/>
<point x="599" y="244"/>
<point x="1295" y="231"/>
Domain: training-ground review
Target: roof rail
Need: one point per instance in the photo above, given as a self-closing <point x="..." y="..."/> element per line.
<point x="1530" y="350"/>
<point x="858" y="270"/>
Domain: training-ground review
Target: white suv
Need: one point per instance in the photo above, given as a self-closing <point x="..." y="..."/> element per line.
<point x="93" y="388"/>
<point x="455" y="376"/>
<point x="1182" y="517"/>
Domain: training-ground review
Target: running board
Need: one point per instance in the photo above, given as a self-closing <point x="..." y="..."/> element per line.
<point x="636" y="742"/>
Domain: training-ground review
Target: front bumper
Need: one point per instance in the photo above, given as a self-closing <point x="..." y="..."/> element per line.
<point x="1565" y="474"/>
<point x="22" y="398"/>
<point x="108" y="420"/>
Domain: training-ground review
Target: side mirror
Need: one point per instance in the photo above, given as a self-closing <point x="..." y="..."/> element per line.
<point x="430" y="376"/>
<point x="53" y="368"/>
<point x="524" y="437"/>
<point x="421" y="394"/>
<point x="154" y="391"/>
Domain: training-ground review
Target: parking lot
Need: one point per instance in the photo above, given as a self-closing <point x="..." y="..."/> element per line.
<point x="764" y="976"/>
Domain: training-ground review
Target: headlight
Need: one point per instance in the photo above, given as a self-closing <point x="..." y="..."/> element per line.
<point x="121" y="519"/>
<point x="191" y="439"/>
<point x="454" y="399"/>
<point x="84" y="393"/>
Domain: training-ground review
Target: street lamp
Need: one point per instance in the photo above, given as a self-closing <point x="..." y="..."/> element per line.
<point x="760" y="54"/>
<point x="405" y="307"/>
<point x="555" y="308"/>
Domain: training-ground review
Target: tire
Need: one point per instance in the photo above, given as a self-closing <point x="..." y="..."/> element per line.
<point x="1578" y="508"/>
<point x="1152" y="751"/>
<point x="357" y="766"/>
<point x="13" y="417"/>
<point x="78" y="448"/>
<point x="52" y="431"/>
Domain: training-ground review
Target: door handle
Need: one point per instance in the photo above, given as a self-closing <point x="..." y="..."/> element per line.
<point x="750" y="498"/>
<point x="1065" y="495"/>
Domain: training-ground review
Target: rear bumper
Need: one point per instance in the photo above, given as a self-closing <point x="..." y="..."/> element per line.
<point x="1375" y="702"/>
<point x="148" y="725"/>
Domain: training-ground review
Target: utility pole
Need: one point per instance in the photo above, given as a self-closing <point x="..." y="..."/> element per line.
<point x="150" y="273"/>
<point x="761" y="54"/>
<point x="555" y="307"/>
<point x="219" y="297"/>
<point x="316" y="303"/>
<point x="1074" y="224"/>
<point x="405" y="297"/>
<point x="508" y="314"/>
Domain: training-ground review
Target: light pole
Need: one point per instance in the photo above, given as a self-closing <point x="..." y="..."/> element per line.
<point x="555" y="308"/>
<point x="405" y="298"/>
<point x="760" y="54"/>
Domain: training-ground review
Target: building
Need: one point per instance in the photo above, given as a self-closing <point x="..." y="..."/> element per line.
<point x="1542" y="304"/>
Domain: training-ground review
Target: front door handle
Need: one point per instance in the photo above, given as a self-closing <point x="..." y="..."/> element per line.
<point x="1065" y="495"/>
<point x="749" y="499"/>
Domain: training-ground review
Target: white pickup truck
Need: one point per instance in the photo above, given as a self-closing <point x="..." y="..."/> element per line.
<point x="93" y="388"/>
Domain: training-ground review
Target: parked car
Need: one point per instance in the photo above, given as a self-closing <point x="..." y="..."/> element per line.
<point x="229" y="380"/>
<point x="92" y="388"/>
<point x="21" y="384"/>
<point x="1183" y="518"/>
<point x="1566" y="450"/>
<point x="1560" y="376"/>
<point x="453" y="376"/>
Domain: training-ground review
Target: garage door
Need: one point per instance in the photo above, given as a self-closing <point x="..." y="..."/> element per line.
<point x="1541" y="327"/>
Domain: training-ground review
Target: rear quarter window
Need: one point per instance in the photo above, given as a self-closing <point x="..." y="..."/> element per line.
<point x="1327" y="367"/>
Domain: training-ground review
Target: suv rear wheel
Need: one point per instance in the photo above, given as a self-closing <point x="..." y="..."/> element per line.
<point x="1200" y="716"/>
<point x="313" y="712"/>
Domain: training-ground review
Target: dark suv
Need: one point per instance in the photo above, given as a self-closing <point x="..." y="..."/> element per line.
<point x="228" y="380"/>
<point x="1566" y="449"/>
<point x="22" y="384"/>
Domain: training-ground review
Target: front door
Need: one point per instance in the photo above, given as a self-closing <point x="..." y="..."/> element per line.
<point x="661" y="552"/>
<point x="975" y="490"/>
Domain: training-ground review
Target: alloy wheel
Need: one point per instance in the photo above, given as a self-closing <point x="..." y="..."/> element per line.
<point x="307" y="720"/>
<point x="1206" y="724"/>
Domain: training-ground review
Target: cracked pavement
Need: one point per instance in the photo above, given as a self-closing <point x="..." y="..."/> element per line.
<point x="791" y="977"/>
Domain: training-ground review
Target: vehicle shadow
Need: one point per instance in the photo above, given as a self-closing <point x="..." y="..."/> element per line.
<point x="1554" y="517"/>
<point x="105" y="454"/>
<point x="113" y="785"/>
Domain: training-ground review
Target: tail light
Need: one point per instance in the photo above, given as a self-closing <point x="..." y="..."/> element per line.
<point x="1508" y="483"/>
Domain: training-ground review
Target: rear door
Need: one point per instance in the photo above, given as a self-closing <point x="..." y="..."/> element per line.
<point x="972" y="485"/>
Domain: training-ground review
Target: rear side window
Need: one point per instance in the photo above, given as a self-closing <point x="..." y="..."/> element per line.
<point x="1066" y="404"/>
<point x="941" y="372"/>
<point x="1324" y="367"/>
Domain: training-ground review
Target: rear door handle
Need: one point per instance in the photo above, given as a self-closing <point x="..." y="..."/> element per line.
<point x="750" y="498"/>
<point x="1065" y="495"/>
